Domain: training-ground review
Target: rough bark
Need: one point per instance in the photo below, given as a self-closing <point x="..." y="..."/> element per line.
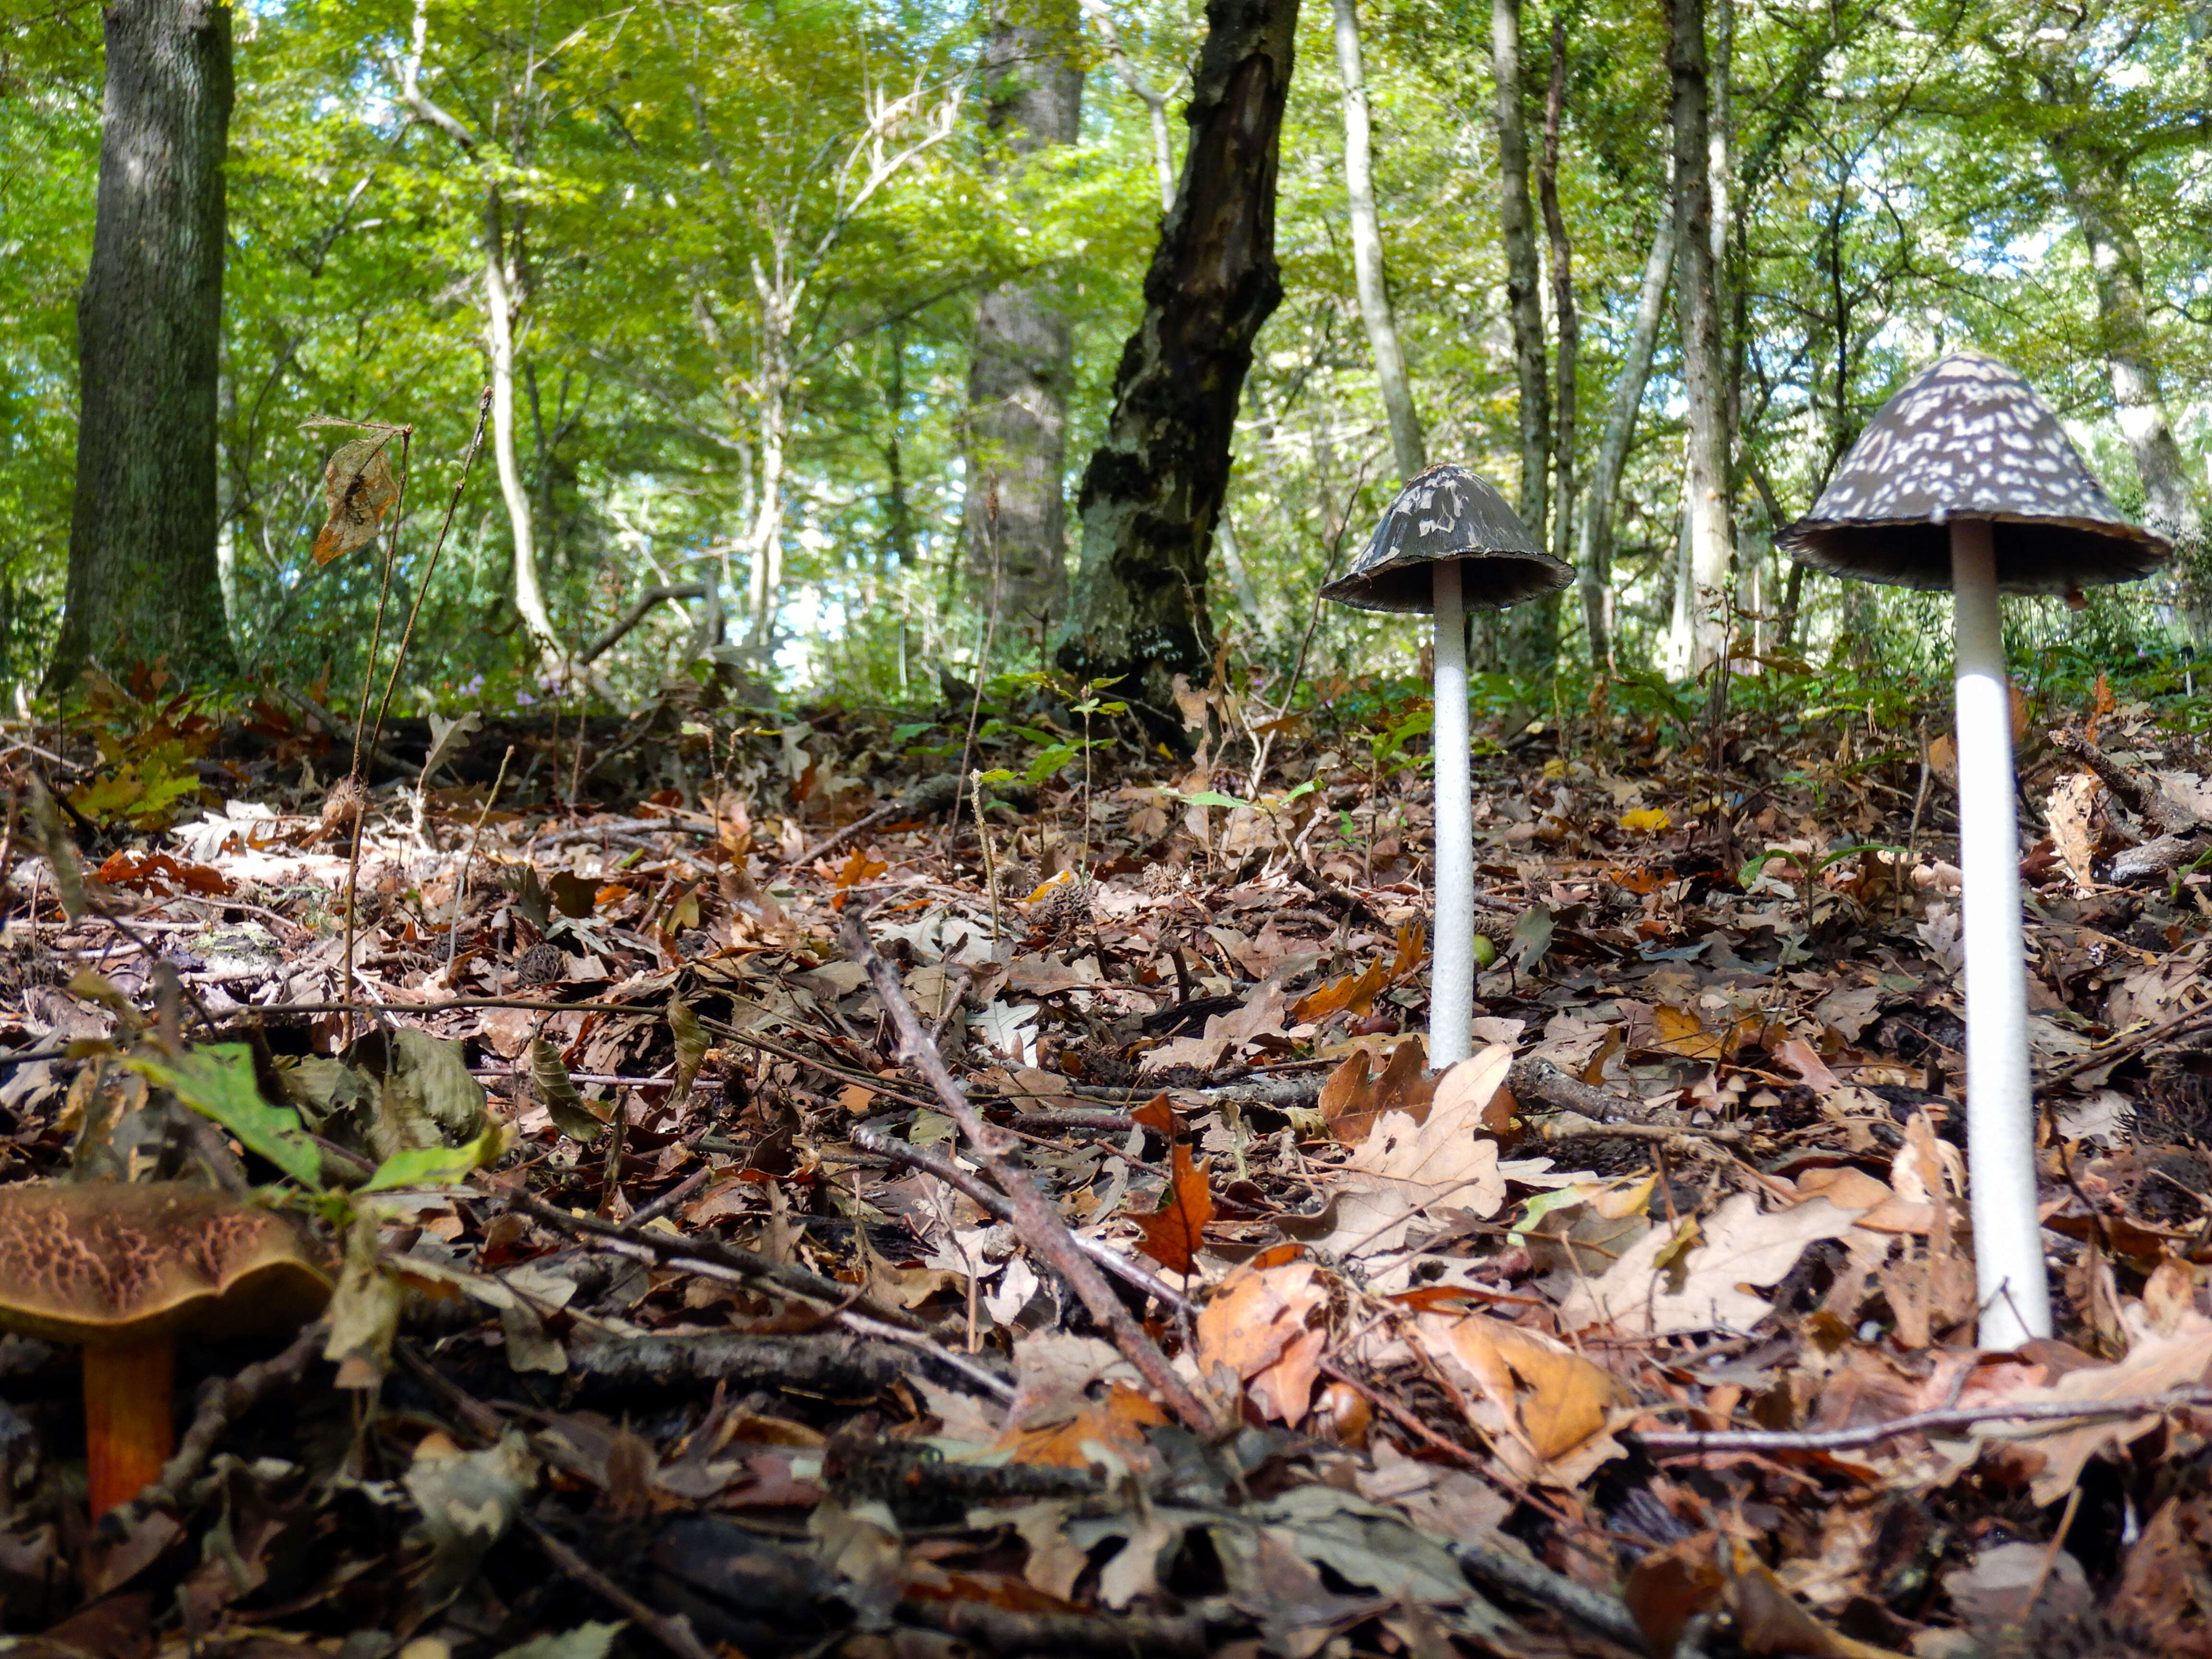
<point x="1701" y="623"/>
<point x="1595" y="546"/>
<point x="1022" y="359"/>
<point x="1566" y="360"/>
<point x="143" y="581"/>
<point x="1154" y="486"/>
<point x="1527" y="637"/>
<point x="1408" y="444"/>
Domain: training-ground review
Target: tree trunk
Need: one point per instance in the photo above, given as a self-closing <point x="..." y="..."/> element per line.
<point x="499" y="336"/>
<point x="1702" y="624"/>
<point x="1407" y="445"/>
<point x="2095" y="182"/>
<point x="142" y="577"/>
<point x="764" y="537"/>
<point x="1569" y="325"/>
<point x="898" y="551"/>
<point x="1598" y="512"/>
<point x="1022" y="359"/>
<point x="1153" y="488"/>
<point x="1528" y="637"/>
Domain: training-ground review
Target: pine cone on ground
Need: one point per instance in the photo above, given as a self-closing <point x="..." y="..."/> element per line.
<point x="1067" y="906"/>
<point x="542" y="964"/>
<point x="343" y="807"/>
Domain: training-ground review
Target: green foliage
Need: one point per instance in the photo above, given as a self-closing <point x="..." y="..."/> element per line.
<point x="745" y="238"/>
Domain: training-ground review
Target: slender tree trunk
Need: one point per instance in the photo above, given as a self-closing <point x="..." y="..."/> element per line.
<point x="2096" y="183"/>
<point x="898" y="507"/>
<point x="1527" y="637"/>
<point x="142" y="577"/>
<point x="1407" y="445"/>
<point x="1598" y="512"/>
<point x="1232" y="560"/>
<point x="1154" y="101"/>
<point x="1565" y="317"/>
<point x="499" y="334"/>
<point x="1712" y="550"/>
<point x="764" y="539"/>
<point x="1720" y="181"/>
<point x="1023" y="361"/>
<point x="1156" y="483"/>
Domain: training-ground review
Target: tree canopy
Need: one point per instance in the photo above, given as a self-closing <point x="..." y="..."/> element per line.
<point x="742" y="249"/>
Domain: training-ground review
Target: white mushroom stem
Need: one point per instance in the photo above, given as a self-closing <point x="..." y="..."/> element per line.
<point x="2013" y="1289"/>
<point x="1452" y="964"/>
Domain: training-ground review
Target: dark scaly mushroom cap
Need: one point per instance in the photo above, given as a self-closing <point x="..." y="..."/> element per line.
<point x="1969" y="439"/>
<point x="123" y="1261"/>
<point x="1450" y="513"/>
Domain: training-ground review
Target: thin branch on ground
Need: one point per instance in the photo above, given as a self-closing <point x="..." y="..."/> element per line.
<point x="1678" y="1442"/>
<point x="1034" y="1218"/>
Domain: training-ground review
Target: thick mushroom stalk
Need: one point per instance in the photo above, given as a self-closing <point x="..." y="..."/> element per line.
<point x="126" y="1268"/>
<point x="129" y="1426"/>
<point x="2010" y="1276"/>
<point x="1451" y="968"/>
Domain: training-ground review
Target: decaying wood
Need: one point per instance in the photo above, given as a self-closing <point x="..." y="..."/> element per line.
<point x="833" y="1363"/>
<point x="2141" y="795"/>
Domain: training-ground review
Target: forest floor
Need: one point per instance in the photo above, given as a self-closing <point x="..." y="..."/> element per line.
<point x="1163" y="1302"/>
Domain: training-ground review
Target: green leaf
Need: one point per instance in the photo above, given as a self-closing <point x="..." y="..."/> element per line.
<point x="1050" y="760"/>
<point x="1214" y="797"/>
<point x="911" y="730"/>
<point x="218" y="1084"/>
<point x="435" y="1166"/>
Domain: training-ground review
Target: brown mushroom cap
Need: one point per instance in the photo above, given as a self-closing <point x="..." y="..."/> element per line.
<point x="1967" y="438"/>
<point x="121" y="1262"/>
<point x="1450" y="513"/>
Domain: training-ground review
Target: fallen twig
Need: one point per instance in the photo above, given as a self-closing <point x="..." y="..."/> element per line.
<point x="672" y="1630"/>
<point x="928" y="797"/>
<point x="1538" y="1082"/>
<point x="220" y="1400"/>
<point x="996" y="1206"/>
<point x="1675" y="1442"/>
<point x="1594" y="1610"/>
<point x="670" y="1248"/>
<point x="1034" y="1219"/>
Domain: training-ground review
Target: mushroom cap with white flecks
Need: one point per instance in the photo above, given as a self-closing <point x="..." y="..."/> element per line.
<point x="1967" y="438"/>
<point x="123" y="1261"/>
<point x="1448" y="512"/>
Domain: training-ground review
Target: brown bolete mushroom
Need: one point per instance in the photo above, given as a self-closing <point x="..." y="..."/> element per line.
<point x="123" y="1269"/>
<point x="1447" y="545"/>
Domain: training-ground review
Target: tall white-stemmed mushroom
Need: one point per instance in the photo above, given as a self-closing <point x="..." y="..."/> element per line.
<point x="1450" y="545"/>
<point x="1965" y="481"/>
